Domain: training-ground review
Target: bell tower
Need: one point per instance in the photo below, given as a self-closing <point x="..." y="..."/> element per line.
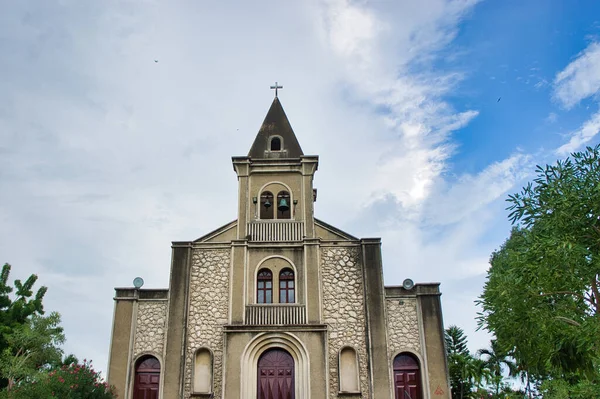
<point x="275" y="180"/>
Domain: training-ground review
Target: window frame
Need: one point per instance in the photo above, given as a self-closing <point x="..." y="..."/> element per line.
<point x="289" y="282"/>
<point x="265" y="287"/>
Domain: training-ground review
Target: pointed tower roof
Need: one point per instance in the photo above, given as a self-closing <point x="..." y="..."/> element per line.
<point x="276" y="123"/>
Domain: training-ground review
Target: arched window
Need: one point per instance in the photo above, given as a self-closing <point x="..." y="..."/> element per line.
<point x="275" y="144"/>
<point x="286" y="286"/>
<point x="147" y="378"/>
<point x="266" y="205"/>
<point x="203" y="371"/>
<point x="264" y="286"/>
<point x="407" y="377"/>
<point x="348" y="370"/>
<point x="283" y="205"/>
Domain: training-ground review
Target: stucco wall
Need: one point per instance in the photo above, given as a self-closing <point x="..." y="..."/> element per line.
<point x="150" y="328"/>
<point x="403" y="326"/>
<point x="343" y="311"/>
<point x="208" y="310"/>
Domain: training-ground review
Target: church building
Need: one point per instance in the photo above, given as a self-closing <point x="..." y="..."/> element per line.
<point x="278" y="304"/>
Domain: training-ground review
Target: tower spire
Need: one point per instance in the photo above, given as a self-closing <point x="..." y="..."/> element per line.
<point x="275" y="125"/>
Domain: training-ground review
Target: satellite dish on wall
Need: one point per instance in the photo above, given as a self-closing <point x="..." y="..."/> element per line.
<point x="408" y="284"/>
<point x="138" y="282"/>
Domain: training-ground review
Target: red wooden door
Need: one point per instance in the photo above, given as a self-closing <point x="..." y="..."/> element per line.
<point x="147" y="378"/>
<point x="407" y="378"/>
<point x="276" y="375"/>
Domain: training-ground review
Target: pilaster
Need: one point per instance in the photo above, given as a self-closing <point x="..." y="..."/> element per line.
<point x="177" y="321"/>
<point x="379" y="374"/>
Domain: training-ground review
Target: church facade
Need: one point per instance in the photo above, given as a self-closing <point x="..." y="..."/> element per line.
<point x="278" y="304"/>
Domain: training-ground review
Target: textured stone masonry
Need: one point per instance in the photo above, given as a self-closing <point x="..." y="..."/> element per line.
<point x="343" y="311"/>
<point x="403" y="326"/>
<point x="208" y="310"/>
<point x="150" y="328"/>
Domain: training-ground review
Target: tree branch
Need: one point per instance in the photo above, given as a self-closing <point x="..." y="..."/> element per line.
<point x="596" y="293"/>
<point x="568" y="321"/>
<point x="576" y="294"/>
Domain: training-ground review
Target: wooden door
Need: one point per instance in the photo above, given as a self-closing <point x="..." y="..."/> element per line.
<point x="147" y="378"/>
<point x="407" y="377"/>
<point x="276" y="375"/>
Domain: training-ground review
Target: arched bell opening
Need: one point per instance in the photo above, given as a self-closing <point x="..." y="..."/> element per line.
<point x="283" y="205"/>
<point x="266" y="205"/>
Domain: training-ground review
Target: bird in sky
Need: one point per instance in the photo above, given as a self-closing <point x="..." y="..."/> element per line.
<point x="155" y="60"/>
<point x="499" y="98"/>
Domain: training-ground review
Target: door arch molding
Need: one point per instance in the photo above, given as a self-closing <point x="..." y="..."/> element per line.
<point x="406" y="373"/>
<point x="147" y="376"/>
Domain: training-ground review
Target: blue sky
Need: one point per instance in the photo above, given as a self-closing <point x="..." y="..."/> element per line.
<point x="107" y="156"/>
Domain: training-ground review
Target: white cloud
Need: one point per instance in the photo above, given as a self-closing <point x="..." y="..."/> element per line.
<point x="583" y="135"/>
<point x="580" y="79"/>
<point x="377" y="45"/>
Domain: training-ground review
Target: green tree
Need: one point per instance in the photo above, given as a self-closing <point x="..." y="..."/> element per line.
<point x="14" y="312"/>
<point x="541" y="299"/>
<point x="466" y="372"/>
<point x="31" y="346"/>
<point x="496" y="361"/>
<point x="18" y="305"/>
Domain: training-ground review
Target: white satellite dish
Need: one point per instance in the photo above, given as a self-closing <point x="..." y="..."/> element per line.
<point x="138" y="282"/>
<point x="408" y="284"/>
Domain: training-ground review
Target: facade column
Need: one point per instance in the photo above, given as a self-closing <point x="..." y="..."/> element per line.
<point x="237" y="281"/>
<point x="433" y="333"/>
<point x="174" y="362"/>
<point x="121" y="343"/>
<point x="376" y="329"/>
<point x="312" y="274"/>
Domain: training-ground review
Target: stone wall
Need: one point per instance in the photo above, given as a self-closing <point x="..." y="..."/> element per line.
<point x="150" y="328"/>
<point x="343" y="311"/>
<point x="208" y="311"/>
<point x="402" y="325"/>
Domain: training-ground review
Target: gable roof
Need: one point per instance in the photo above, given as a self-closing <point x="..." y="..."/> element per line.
<point x="218" y="233"/>
<point x="275" y="123"/>
<point x="334" y="230"/>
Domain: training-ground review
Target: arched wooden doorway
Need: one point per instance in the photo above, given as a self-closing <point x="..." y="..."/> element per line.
<point x="407" y="377"/>
<point x="147" y="377"/>
<point x="276" y="375"/>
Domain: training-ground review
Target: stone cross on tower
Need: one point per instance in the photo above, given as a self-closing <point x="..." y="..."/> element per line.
<point x="276" y="87"/>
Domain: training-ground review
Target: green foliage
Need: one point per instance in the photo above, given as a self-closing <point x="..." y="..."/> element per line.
<point x="496" y="360"/>
<point x="14" y="312"/>
<point x="467" y="372"/>
<point x="31" y="346"/>
<point x="456" y="341"/>
<point x="72" y="381"/>
<point x="22" y="327"/>
<point x="31" y="364"/>
<point x="541" y="298"/>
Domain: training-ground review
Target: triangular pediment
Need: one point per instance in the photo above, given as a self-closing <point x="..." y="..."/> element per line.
<point x="326" y="231"/>
<point x="225" y="233"/>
